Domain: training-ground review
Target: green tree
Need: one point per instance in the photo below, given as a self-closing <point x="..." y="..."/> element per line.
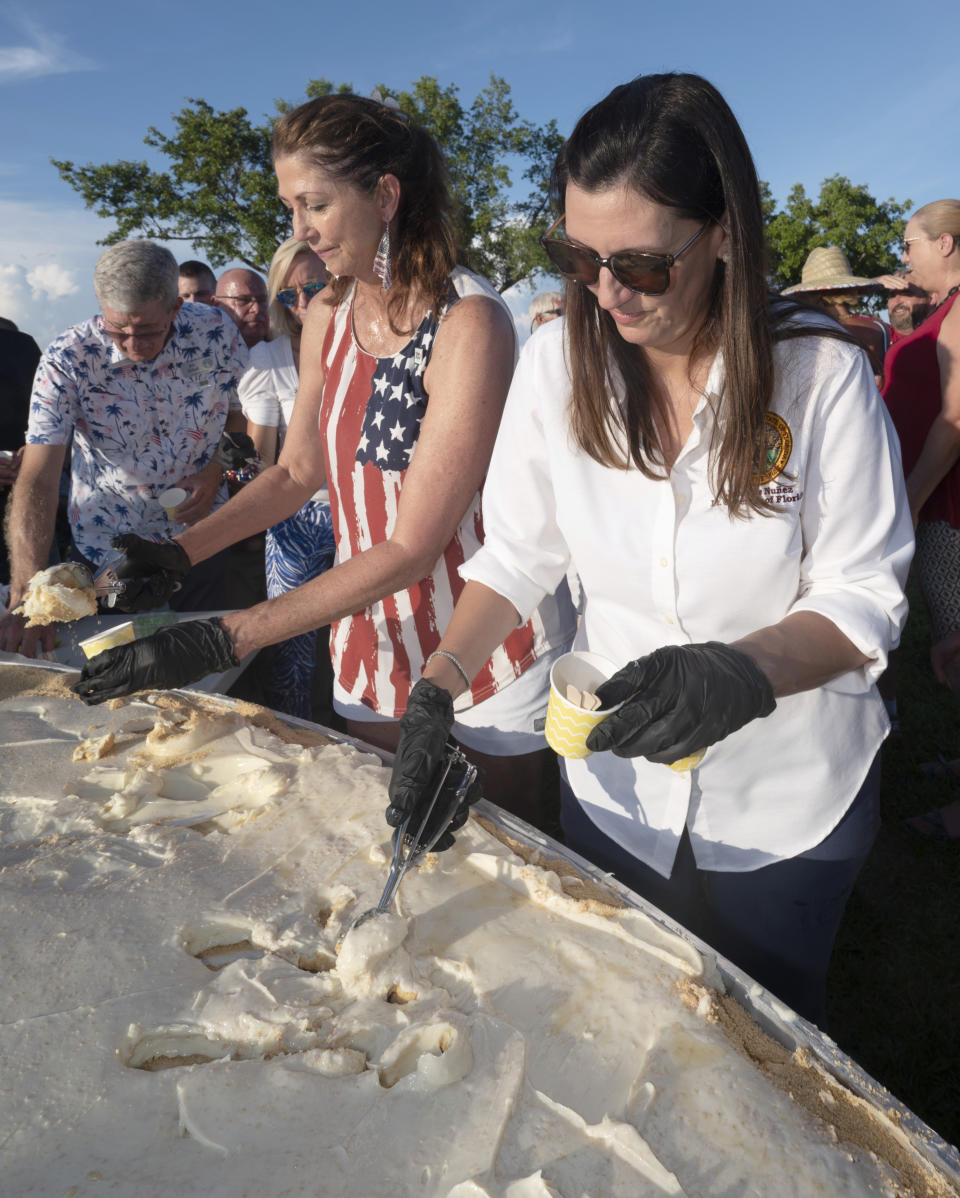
<point x="219" y="193"/>
<point x="846" y="215"/>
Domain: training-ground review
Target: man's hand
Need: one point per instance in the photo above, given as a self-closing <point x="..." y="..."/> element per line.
<point x="174" y="656"/>
<point x="151" y="571"/>
<point x="202" y="489"/>
<point x="10" y="468"/>
<point x="16" y="637"/>
<point x="680" y="699"/>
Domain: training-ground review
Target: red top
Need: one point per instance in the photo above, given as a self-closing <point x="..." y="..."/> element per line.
<point x="913" y="397"/>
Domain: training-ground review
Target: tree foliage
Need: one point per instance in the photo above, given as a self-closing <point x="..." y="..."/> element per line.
<point x="846" y="215"/>
<point x="219" y="193"/>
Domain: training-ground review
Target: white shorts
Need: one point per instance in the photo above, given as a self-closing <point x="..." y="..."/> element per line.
<point x="505" y="725"/>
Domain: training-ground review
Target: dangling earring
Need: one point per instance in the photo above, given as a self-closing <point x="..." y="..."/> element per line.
<point x="381" y="263"/>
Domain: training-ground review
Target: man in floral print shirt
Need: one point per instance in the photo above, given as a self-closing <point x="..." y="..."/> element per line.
<point x="142" y="391"/>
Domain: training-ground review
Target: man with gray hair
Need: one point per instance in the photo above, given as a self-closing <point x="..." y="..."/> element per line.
<point x="142" y="392"/>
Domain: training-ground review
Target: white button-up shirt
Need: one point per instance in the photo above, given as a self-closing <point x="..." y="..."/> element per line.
<point x="661" y="563"/>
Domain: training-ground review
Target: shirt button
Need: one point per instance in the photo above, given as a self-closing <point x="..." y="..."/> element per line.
<point x="664" y="562"/>
<point x="668" y="619"/>
<point x="681" y="499"/>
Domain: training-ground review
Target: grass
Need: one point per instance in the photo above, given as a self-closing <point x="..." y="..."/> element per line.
<point x="894" y="986"/>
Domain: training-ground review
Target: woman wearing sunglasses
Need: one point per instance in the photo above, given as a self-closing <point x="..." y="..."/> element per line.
<point x="302" y="546"/>
<point x="405" y="364"/>
<point x="718" y="468"/>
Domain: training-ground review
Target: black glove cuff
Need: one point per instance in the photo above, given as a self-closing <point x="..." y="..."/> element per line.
<point x="428" y="700"/>
<point x="743" y="664"/>
<point x="220" y="643"/>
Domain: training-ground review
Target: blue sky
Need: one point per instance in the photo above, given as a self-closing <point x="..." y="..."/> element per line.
<point x="868" y="91"/>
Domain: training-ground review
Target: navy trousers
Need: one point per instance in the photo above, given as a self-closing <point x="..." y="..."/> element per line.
<point x="777" y="923"/>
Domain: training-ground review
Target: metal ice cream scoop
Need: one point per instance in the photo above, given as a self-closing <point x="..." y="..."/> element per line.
<point x="409" y="847"/>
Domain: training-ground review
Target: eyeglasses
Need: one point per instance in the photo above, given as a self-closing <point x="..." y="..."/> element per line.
<point x="648" y="274"/>
<point x="907" y="240"/>
<point x="244" y="301"/>
<point x="136" y="334"/>
<point x="288" y="295"/>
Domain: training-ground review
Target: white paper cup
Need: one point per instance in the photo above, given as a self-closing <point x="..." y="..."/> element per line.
<point x="170" y="500"/>
<point x="568" y="726"/>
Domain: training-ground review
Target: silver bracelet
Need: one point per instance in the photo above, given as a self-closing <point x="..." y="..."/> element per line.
<point x="450" y="658"/>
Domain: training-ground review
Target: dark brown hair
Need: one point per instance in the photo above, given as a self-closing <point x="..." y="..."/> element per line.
<point x="673" y="139"/>
<point x="359" y="140"/>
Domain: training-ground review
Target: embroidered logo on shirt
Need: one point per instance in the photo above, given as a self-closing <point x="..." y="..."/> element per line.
<point x="775" y="449"/>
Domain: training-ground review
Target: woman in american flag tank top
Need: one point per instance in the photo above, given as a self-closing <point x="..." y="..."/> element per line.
<point x="405" y="363"/>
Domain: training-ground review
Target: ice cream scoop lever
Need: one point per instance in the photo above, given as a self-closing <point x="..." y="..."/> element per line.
<point x="105" y="584"/>
<point x="409" y="847"/>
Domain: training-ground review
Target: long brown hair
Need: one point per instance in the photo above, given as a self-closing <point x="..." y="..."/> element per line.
<point x="673" y="139"/>
<point x="359" y="140"/>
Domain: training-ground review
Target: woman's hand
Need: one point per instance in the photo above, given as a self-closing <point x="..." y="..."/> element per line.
<point x="424" y="730"/>
<point x="680" y="699"/>
<point x="174" y="656"/>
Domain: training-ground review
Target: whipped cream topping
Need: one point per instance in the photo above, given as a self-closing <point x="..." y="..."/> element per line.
<point x="189" y="1010"/>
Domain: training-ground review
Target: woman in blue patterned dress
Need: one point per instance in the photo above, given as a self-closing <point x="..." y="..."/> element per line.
<point x="302" y="546"/>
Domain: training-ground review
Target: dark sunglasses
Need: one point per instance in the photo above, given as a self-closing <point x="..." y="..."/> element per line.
<point x="637" y="270"/>
<point x="288" y="295"/>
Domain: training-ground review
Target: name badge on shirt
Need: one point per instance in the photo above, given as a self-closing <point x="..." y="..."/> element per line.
<point x="195" y="369"/>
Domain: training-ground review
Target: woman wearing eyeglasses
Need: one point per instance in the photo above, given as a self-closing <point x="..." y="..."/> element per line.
<point x="302" y="546"/>
<point x="719" y="470"/>
<point x="405" y="363"/>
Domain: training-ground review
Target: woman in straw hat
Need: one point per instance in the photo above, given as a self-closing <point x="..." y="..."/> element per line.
<point x="721" y="473"/>
<point x="828" y="284"/>
<point x="923" y="394"/>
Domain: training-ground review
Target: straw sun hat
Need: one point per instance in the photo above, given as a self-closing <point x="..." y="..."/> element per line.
<point x="828" y="269"/>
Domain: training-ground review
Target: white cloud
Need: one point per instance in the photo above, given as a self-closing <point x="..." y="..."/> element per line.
<point x="13" y="293"/>
<point x="44" y="54"/>
<point x="47" y="256"/>
<point x="52" y="281"/>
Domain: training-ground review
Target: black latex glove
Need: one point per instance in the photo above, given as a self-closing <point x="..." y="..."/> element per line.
<point x="235" y="451"/>
<point x="151" y="571"/>
<point x="679" y="699"/>
<point x="174" y="656"/>
<point x="424" y="731"/>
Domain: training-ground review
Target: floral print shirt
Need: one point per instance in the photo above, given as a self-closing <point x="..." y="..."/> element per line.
<point x="137" y="428"/>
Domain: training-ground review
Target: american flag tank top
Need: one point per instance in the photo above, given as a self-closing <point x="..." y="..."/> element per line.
<point x="370" y="420"/>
